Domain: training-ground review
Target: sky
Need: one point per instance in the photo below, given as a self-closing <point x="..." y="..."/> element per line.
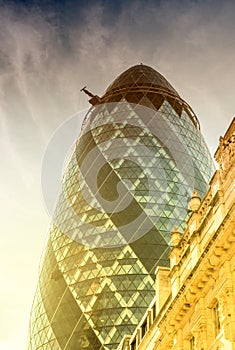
<point x="48" y="51"/>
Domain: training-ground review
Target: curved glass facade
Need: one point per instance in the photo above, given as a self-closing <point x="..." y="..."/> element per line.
<point x="139" y="156"/>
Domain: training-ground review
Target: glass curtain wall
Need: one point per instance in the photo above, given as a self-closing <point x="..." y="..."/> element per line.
<point x="139" y="156"/>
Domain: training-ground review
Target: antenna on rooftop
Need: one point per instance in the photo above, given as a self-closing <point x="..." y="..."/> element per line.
<point x="84" y="89"/>
<point x="94" y="98"/>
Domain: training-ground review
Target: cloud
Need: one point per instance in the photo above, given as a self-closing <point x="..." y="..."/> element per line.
<point x="50" y="60"/>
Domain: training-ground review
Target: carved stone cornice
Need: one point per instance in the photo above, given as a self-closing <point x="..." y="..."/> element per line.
<point x="225" y="154"/>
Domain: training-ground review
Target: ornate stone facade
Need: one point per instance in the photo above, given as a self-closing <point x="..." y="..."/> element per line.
<point x="194" y="305"/>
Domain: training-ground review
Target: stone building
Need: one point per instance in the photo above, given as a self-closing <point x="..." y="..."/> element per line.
<point x="194" y="305"/>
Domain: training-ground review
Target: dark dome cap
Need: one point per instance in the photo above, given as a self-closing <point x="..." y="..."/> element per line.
<point x="140" y="76"/>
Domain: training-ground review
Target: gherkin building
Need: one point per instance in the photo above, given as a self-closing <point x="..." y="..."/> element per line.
<point x="139" y="156"/>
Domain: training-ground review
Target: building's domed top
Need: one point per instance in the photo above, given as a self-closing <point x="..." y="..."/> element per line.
<point x="140" y="76"/>
<point x="143" y="85"/>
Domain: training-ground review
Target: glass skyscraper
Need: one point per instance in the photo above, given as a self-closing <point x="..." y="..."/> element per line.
<point x="139" y="156"/>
